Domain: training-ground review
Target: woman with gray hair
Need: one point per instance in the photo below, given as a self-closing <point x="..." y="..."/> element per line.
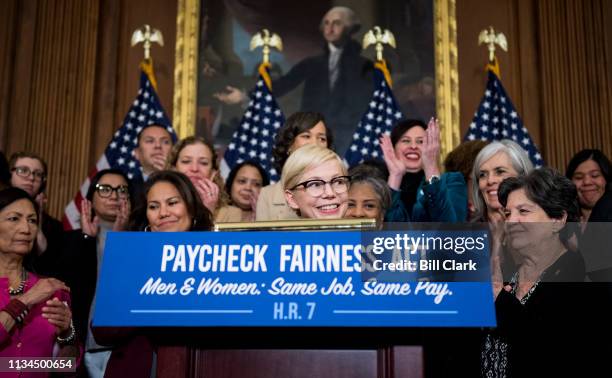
<point x="369" y="195"/>
<point x="496" y="162"/>
<point x="493" y="164"/>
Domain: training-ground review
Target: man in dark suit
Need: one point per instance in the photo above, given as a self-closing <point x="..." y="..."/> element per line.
<point x="337" y="83"/>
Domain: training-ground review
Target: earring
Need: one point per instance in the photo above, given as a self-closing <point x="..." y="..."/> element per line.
<point x="147" y="228"/>
<point x="193" y="224"/>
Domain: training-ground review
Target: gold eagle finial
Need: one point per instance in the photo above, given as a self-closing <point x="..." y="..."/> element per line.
<point x="377" y="36"/>
<point x="147" y="35"/>
<point x="488" y="37"/>
<point x="266" y="40"/>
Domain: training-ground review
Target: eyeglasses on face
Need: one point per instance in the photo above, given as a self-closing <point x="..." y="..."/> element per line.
<point x="26" y="171"/>
<point x="105" y="190"/>
<point x="316" y="188"/>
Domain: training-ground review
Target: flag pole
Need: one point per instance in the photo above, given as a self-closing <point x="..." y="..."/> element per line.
<point x="147" y="35"/>
<point x="379" y="37"/>
<point x="489" y="38"/>
<point x="265" y="39"/>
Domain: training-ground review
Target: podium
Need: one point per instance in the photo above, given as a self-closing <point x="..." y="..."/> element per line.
<point x="289" y="304"/>
<point x="289" y="353"/>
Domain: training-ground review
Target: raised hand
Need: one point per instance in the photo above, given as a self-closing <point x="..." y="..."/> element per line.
<point x="396" y="167"/>
<point x="121" y="221"/>
<point x="209" y="193"/>
<point x="430" y="150"/>
<point x="159" y="162"/>
<point x="89" y="225"/>
<point x="253" y="196"/>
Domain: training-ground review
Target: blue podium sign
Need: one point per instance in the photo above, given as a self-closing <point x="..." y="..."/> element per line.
<point x="286" y="279"/>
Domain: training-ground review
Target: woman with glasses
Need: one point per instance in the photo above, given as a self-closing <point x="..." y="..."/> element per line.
<point x="172" y="204"/>
<point x="316" y="183"/>
<point x="105" y="208"/>
<point x="420" y="193"/>
<point x="29" y="172"/>
<point x="197" y="159"/>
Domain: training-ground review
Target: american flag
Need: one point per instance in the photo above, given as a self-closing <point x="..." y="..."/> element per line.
<point x="254" y="138"/>
<point x="146" y="110"/>
<point x="496" y="118"/>
<point x="380" y="117"/>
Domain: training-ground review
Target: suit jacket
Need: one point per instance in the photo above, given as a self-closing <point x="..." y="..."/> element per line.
<point x="271" y="204"/>
<point x="343" y="105"/>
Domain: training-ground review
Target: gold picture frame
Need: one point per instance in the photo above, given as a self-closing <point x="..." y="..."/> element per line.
<point x="447" y="76"/>
<point x="349" y="224"/>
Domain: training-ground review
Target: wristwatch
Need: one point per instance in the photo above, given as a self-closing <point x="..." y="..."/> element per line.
<point x="433" y="179"/>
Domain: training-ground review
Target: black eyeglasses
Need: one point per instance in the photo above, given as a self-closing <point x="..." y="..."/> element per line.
<point x="26" y="171"/>
<point x="105" y="190"/>
<point x="316" y="188"/>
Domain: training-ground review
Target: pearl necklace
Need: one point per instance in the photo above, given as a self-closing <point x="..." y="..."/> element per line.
<point x="21" y="287"/>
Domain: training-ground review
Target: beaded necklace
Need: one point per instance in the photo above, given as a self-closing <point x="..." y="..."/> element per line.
<point x="21" y="287"/>
<point x="514" y="282"/>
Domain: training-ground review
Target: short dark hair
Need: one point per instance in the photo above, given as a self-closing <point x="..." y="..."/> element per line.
<point x="550" y="190"/>
<point x="590" y="154"/>
<point x="193" y="203"/>
<point x="94" y="181"/>
<point x="229" y="182"/>
<point x="24" y="154"/>
<point x="401" y="127"/>
<point x="12" y="194"/>
<point x="7" y="197"/>
<point x="167" y="129"/>
<point x="296" y="124"/>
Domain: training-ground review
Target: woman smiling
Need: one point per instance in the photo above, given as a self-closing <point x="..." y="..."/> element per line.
<point x="172" y="205"/>
<point x="316" y="183"/>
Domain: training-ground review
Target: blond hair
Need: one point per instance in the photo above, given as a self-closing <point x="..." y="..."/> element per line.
<point x="304" y="158"/>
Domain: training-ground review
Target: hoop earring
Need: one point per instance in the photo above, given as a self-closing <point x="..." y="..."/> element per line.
<point x="147" y="228"/>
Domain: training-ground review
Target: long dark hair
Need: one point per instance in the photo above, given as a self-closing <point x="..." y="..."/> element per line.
<point x="591" y="154"/>
<point x="265" y="180"/>
<point x="203" y="220"/>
